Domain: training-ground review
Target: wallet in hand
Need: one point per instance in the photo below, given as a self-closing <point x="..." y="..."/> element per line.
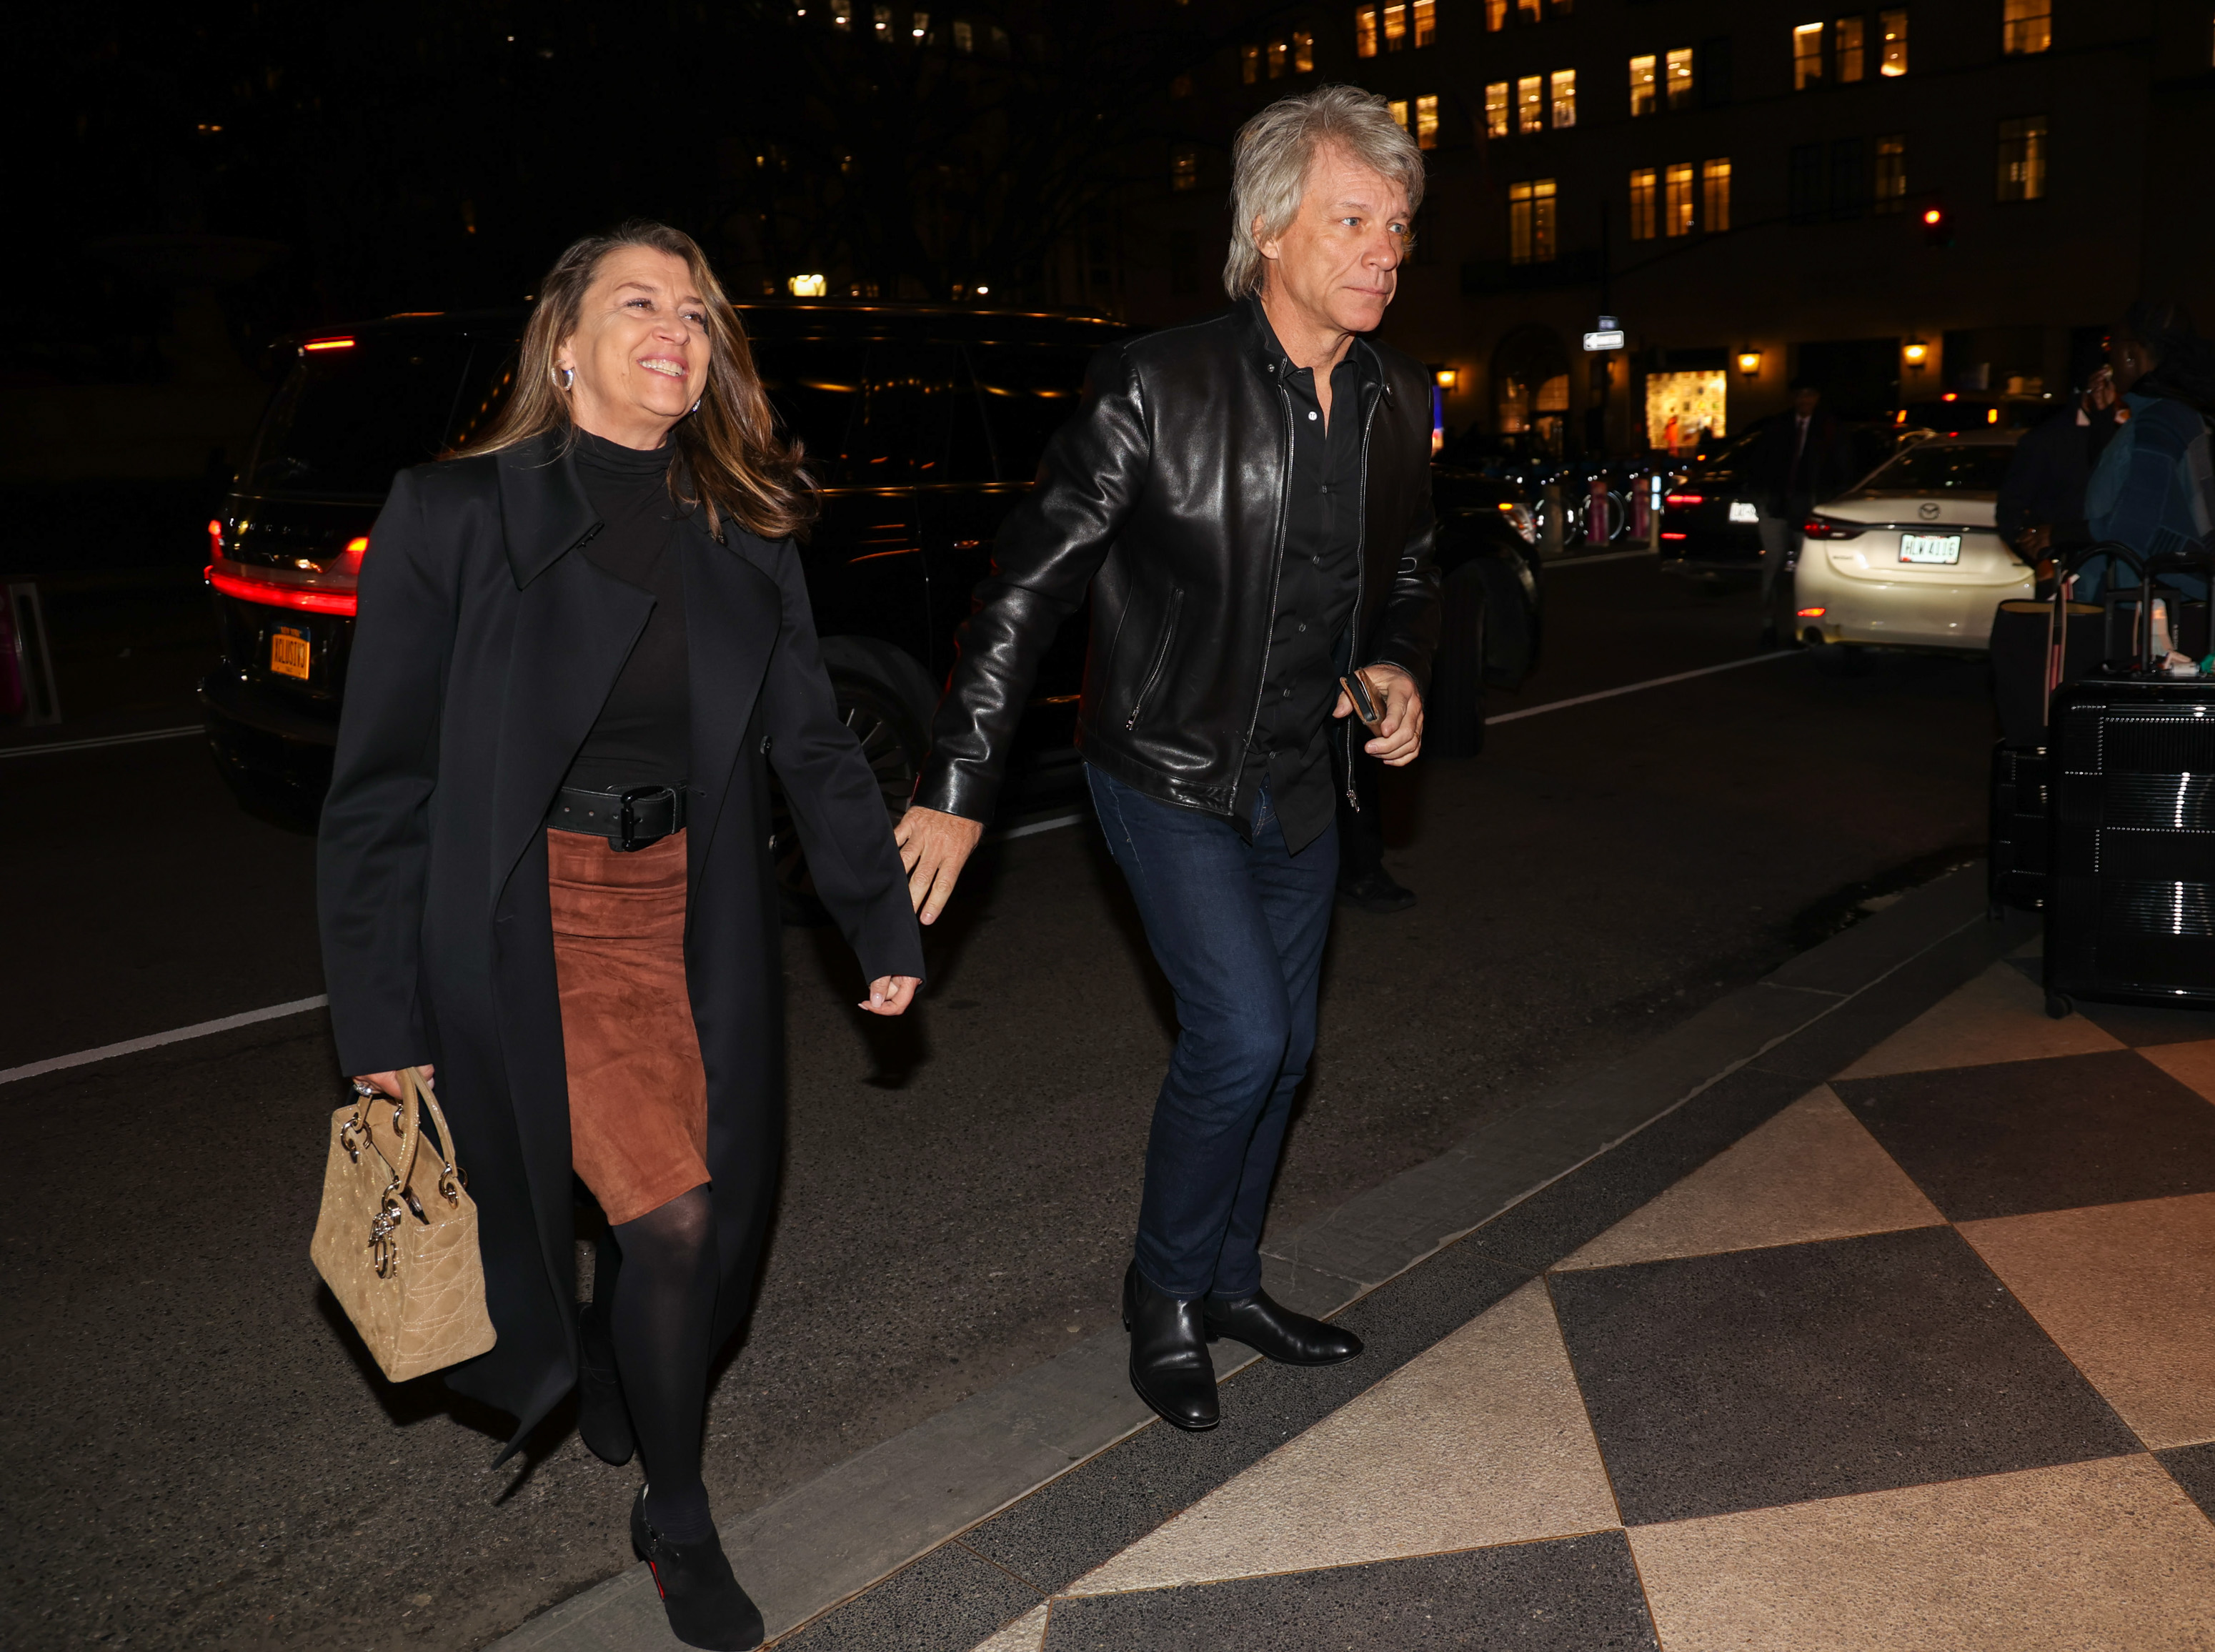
<point x="1368" y="705"/>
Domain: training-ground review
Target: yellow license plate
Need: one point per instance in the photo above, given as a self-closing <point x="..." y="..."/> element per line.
<point x="288" y="653"/>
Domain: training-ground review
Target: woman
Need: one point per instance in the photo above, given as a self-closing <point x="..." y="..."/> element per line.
<point x="543" y="866"/>
<point x="2151" y="489"/>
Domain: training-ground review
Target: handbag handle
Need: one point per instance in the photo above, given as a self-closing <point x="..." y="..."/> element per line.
<point x="398" y="1197"/>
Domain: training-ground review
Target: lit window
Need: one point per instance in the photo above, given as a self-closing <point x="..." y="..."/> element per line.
<point x="965" y="39"/>
<point x="1642" y="85"/>
<point x="1892" y="26"/>
<point x="1565" y="97"/>
<point x="1280" y="52"/>
<point x="1495" y="15"/>
<point x="1714" y="196"/>
<point x="1530" y="103"/>
<point x="1680" y="79"/>
<point x="1184" y="168"/>
<point x="1677" y="199"/>
<point x="1426" y="123"/>
<point x="2022" y="158"/>
<point x="1530" y="222"/>
<point x="1365" y="32"/>
<point x="1400" y="112"/>
<point x="1644" y="204"/>
<point x="1180" y="87"/>
<point x="1249" y="63"/>
<point x="2026" y="25"/>
<point x="1562" y="8"/>
<point x="1427" y="22"/>
<point x="1303" y="53"/>
<point x="1890" y="179"/>
<point x="807" y="287"/>
<point x="1527" y="10"/>
<point x="1495" y="109"/>
<point x="1846" y="36"/>
<point x="1806" y="56"/>
<point x="1395" y="26"/>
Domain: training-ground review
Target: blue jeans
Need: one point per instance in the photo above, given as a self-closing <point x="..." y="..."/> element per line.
<point x="1238" y="929"/>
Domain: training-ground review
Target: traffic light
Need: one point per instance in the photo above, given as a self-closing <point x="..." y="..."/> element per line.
<point x="1937" y="227"/>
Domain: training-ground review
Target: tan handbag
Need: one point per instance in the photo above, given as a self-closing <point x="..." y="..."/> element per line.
<point x="397" y="1240"/>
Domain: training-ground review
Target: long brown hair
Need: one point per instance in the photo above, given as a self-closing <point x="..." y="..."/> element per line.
<point x="726" y="451"/>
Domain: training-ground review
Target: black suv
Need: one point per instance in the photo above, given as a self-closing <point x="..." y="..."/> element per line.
<point x="924" y="426"/>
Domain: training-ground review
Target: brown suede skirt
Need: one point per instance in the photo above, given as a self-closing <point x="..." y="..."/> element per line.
<point x="638" y="1093"/>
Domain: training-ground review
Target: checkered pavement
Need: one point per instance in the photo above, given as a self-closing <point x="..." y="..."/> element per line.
<point x="1924" y="1358"/>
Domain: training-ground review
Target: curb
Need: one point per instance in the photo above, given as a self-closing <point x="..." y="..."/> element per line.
<point x="825" y="1542"/>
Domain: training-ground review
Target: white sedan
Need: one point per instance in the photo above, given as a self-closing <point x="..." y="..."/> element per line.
<point x="1910" y="558"/>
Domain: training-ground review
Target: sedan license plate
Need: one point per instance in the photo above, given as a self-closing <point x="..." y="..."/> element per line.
<point x="1930" y="547"/>
<point x="1742" y="510"/>
<point x="288" y="653"/>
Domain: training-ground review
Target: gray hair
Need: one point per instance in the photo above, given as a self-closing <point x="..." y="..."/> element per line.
<point x="1271" y="155"/>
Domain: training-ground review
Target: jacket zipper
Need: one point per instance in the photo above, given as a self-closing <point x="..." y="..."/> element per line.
<point x="1360" y="572"/>
<point x="1276" y="567"/>
<point x="1161" y="660"/>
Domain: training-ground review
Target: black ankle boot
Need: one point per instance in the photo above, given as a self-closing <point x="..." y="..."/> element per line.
<point x="1275" y="1332"/>
<point x="706" y="1606"/>
<point x="1169" y="1365"/>
<point x="603" y="1419"/>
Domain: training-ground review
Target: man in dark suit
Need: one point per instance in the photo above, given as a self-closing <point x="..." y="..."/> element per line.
<point x="1799" y="459"/>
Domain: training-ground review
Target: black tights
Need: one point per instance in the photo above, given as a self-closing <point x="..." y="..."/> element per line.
<point x="663" y="1311"/>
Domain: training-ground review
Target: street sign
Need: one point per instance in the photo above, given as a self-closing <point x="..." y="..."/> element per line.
<point x="1611" y="339"/>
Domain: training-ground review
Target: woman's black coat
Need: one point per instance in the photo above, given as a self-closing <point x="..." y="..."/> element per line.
<point x="485" y="646"/>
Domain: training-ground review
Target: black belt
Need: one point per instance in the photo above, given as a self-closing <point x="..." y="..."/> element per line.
<point x="628" y="820"/>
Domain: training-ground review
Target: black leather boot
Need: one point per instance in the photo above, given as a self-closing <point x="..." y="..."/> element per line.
<point x="603" y="1419"/>
<point x="706" y="1606"/>
<point x="1275" y="1332"/>
<point x="1169" y="1365"/>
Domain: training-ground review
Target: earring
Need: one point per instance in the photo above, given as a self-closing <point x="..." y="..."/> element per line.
<point x="695" y="408"/>
<point x="564" y="378"/>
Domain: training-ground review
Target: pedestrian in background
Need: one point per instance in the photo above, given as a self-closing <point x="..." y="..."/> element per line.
<point x="581" y="648"/>
<point x="2152" y="489"/>
<point x="1248" y="501"/>
<point x="2040" y="510"/>
<point x="1798" y="457"/>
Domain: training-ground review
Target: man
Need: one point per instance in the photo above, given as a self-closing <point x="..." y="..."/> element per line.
<point x="2041" y="509"/>
<point x="1248" y="501"/>
<point x="1798" y="458"/>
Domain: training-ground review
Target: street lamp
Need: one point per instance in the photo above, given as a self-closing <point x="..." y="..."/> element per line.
<point x="1447" y="377"/>
<point x="1749" y="363"/>
<point x="1918" y="352"/>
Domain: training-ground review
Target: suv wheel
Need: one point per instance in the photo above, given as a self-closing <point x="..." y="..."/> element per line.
<point x="1453" y="720"/>
<point x="893" y="744"/>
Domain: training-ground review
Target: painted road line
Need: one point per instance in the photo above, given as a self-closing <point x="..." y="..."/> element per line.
<point x="1633" y="688"/>
<point x="155" y="1040"/>
<point x="35" y="749"/>
<point x="1604" y="557"/>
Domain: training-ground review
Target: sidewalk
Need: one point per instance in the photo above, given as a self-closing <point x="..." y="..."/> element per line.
<point x="1870" y="1309"/>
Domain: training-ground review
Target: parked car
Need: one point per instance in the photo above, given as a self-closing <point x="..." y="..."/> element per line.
<point x="924" y="426"/>
<point x="1710" y="516"/>
<point x="1910" y="557"/>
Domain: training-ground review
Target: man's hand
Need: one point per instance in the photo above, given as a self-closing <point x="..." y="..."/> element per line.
<point x="1400" y="736"/>
<point x="890" y="995"/>
<point x="933" y="847"/>
<point x="2035" y="542"/>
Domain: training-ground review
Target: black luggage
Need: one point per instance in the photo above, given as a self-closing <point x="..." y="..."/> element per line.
<point x="2130" y="911"/>
<point x="2016" y="859"/>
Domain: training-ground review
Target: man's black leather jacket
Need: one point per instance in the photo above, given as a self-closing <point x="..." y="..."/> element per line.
<point x="1165" y="496"/>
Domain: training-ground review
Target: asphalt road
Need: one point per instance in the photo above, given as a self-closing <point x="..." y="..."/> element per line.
<point x="195" y="1453"/>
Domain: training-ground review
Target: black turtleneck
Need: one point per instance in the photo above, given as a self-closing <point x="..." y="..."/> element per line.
<point x="643" y="735"/>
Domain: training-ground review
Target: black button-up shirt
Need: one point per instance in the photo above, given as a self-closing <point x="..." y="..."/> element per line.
<point x="1316" y="586"/>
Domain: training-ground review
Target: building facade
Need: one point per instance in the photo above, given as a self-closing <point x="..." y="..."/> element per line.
<point x="1890" y="202"/>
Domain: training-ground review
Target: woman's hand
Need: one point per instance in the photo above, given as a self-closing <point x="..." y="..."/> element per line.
<point x="389" y="1082"/>
<point x="890" y="995"/>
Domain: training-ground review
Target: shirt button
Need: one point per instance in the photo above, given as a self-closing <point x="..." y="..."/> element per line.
<point x="1288" y="694"/>
<point x="1311" y="415"/>
<point x="1303" y="628"/>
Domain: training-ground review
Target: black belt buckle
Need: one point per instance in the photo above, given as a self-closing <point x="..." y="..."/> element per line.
<point x="626" y="837"/>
